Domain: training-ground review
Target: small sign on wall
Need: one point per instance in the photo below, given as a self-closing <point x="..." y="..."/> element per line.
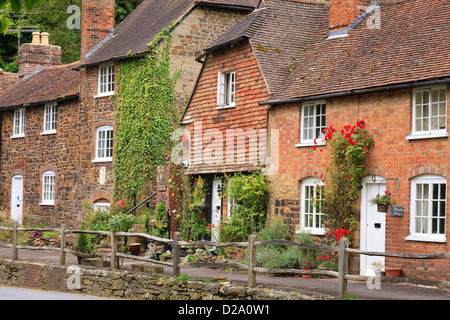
<point x="396" y="211"/>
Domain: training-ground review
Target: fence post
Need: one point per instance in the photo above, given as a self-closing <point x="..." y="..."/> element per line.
<point x="176" y="255"/>
<point x="114" y="259"/>
<point x="62" y="255"/>
<point x="15" y="253"/>
<point x="343" y="266"/>
<point x="251" y="260"/>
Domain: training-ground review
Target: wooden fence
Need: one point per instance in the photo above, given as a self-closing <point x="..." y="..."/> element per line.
<point x="251" y="245"/>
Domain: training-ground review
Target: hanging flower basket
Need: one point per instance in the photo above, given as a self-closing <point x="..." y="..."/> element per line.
<point x="382" y="207"/>
<point x="383" y="201"/>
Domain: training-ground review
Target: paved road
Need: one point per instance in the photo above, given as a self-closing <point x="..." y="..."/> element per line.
<point x="13" y="293"/>
<point x="317" y="286"/>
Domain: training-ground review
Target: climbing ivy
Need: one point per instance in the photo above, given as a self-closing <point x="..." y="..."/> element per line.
<point x="145" y="119"/>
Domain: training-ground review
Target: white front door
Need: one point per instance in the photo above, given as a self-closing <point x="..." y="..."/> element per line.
<point x="373" y="224"/>
<point x="216" y="209"/>
<point x="17" y="198"/>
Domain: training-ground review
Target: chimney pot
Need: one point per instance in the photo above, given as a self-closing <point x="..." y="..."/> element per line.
<point x="44" y="38"/>
<point x="36" y="38"/>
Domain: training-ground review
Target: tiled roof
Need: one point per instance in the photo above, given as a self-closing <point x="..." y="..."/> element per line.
<point x="48" y="84"/>
<point x="146" y="21"/>
<point x="278" y="33"/>
<point x="410" y="45"/>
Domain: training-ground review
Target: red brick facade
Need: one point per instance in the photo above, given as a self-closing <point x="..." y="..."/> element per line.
<point x="344" y="12"/>
<point x="97" y="24"/>
<point x="395" y="158"/>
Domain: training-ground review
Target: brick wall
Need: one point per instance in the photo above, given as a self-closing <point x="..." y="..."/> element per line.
<point x="396" y="159"/>
<point x="344" y="12"/>
<point x="97" y="22"/>
<point x="33" y="57"/>
<point x="213" y="123"/>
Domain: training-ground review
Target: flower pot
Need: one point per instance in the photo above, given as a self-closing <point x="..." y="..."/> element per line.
<point x="393" y="272"/>
<point x="307" y="276"/>
<point x="135" y="248"/>
<point x="382" y="207"/>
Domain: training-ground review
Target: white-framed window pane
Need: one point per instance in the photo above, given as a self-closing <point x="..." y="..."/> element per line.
<point x="429" y="205"/>
<point x="48" y="187"/>
<point x="312" y="206"/>
<point x="106" y="78"/>
<point x="104" y="143"/>
<point x="430" y="110"/>
<point x="226" y="89"/>
<point x="313" y="120"/>
<point x="50" y="114"/>
<point x="101" y="206"/>
<point x="19" y="122"/>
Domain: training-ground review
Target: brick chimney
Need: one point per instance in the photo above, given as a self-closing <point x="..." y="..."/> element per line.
<point x="38" y="54"/>
<point x="344" y="12"/>
<point x="97" y="24"/>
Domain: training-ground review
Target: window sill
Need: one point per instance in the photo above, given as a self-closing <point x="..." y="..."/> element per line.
<point x="46" y="133"/>
<point x="102" y="160"/>
<point x="426" y="239"/>
<point x="309" y="144"/>
<point x="427" y="136"/>
<point x="106" y="94"/>
<point x="47" y="204"/>
<point x="18" y="136"/>
<point x="226" y="107"/>
<point x="312" y="232"/>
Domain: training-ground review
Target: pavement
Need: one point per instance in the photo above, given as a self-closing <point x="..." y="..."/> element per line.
<point x="320" y="287"/>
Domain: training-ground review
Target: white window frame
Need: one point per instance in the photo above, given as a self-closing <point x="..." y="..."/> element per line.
<point x="106" y="80"/>
<point x="226" y="90"/>
<point x="417" y="113"/>
<point x="50" y="118"/>
<point x="19" y="123"/>
<point x="306" y="117"/>
<point x="104" y="145"/>
<point x="311" y="184"/>
<point x="48" y="188"/>
<point x="101" y="206"/>
<point x="426" y="220"/>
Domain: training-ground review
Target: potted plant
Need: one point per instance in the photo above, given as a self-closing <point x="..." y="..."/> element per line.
<point x="307" y="264"/>
<point x="383" y="201"/>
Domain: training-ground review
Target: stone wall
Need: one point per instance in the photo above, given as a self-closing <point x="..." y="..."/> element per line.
<point x="125" y="285"/>
<point x="32" y="155"/>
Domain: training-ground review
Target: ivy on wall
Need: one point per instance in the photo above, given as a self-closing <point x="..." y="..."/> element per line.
<point x="145" y="119"/>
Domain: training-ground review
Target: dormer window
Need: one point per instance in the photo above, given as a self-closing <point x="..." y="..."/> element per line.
<point x="106" y="80"/>
<point x="226" y="89"/>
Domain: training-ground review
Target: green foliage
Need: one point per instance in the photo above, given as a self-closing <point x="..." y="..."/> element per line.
<point x="145" y="119"/>
<point x="121" y="222"/>
<point x="251" y="194"/>
<point x="348" y="148"/>
<point x="85" y="242"/>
